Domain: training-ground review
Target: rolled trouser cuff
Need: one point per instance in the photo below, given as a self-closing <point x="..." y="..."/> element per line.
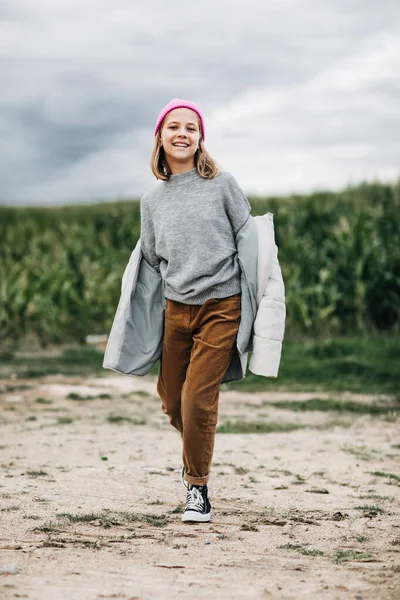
<point x="196" y="480"/>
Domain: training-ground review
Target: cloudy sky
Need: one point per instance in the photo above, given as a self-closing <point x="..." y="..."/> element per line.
<point x="298" y="95"/>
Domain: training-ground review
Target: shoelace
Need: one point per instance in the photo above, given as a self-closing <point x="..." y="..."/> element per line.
<point x="194" y="499"/>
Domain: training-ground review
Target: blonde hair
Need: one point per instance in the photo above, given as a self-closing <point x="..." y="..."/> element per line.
<point x="205" y="165"/>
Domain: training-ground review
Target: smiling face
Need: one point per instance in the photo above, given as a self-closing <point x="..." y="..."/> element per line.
<point x="180" y="135"/>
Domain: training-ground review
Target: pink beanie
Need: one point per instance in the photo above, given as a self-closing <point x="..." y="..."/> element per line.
<point x="178" y="103"/>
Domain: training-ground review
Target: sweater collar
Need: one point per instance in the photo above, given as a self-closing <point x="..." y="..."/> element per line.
<point x="183" y="178"/>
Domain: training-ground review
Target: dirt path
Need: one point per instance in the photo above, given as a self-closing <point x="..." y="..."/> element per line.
<point x="90" y="499"/>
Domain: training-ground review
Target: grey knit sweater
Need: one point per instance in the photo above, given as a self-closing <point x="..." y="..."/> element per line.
<point x="188" y="227"/>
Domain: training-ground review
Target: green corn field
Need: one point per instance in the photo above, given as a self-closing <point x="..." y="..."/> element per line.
<point x="61" y="267"/>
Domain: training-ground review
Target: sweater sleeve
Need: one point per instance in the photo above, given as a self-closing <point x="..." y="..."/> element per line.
<point x="236" y="204"/>
<point x="147" y="235"/>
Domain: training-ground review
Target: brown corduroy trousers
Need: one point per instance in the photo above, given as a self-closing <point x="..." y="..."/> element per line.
<point x="198" y="346"/>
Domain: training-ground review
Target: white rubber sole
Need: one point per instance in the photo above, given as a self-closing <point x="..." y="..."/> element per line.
<point x="192" y="516"/>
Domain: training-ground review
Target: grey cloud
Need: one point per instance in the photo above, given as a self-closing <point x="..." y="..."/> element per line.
<point x="79" y="91"/>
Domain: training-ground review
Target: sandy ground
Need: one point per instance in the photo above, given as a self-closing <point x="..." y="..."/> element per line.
<point x="90" y="498"/>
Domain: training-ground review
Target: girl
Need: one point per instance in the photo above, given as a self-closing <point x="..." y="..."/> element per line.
<point x="199" y="258"/>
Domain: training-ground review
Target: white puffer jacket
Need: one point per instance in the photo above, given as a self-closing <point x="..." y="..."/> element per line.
<point x="269" y="325"/>
<point x="136" y="337"/>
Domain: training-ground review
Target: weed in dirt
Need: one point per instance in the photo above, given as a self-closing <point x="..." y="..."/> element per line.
<point x="156" y="503"/>
<point x="248" y="527"/>
<point x="325" y="405"/>
<point x="142" y="393"/>
<point x="79" y="360"/>
<point x="155" y="520"/>
<point x="388" y="475"/>
<point x="257" y="427"/>
<point x="107" y="518"/>
<point x="34" y="474"/>
<point x="373" y="496"/>
<point x="15" y="388"/>
<point x="317" y="491"/>
<point x="176" y="510"/>
<point x="49" y="527"/>
<point x="302" y="549"/>
<point x="76" y="396"/>
<point x="64" y="421"/>
<point x="283" y="471"/>
<point x="370" y="508"/>
<point x="10" y="508"/>
<point x="102" y="518"/>
<point x="118" y="419"/>
<point x="241" y="471"/>
<point x="31" y="418"/>
<point x="299" y="480"/>
<point x="281" y="487"/>
<point x="42" y="400"/>
<point x="51" y="543"/>
<point x="41" y="500"/>
<point x="342" y="556"/>
<point x="361" y="453"/>
<point x="361" y="538"/>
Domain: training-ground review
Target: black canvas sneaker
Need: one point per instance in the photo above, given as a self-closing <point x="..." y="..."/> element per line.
<point x="198" y="508"/>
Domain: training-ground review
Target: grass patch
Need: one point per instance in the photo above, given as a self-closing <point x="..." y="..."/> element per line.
<point x="366" y="364"/>
<point x="302" y="549"/>
<point x="64" y="421"/>
<point x="248" y="527"/>
<point x="299" y="479"/>
<point x="342" y="406"/>
<point x="76" y="360"/>
<point x="109" y="519"/>
<point x="118" y="419"/>
<point x="42" y="400"/>
<point x="342" y="556"/>
<point x="256" y="427"/>
<point x="373" y="508"/>
<point x="373" y="496"/>
<point x="357" y="364"/>
<point x="75" y="396"/>
<point x="388" y="475"/>
<point x="19" y="387"/>
<point x="34" y="474"/>
<point x="361" y="453"/>
<point x="49" y="527"/>
<point x="241" y="471"/>
<point x="177" y="510"/>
